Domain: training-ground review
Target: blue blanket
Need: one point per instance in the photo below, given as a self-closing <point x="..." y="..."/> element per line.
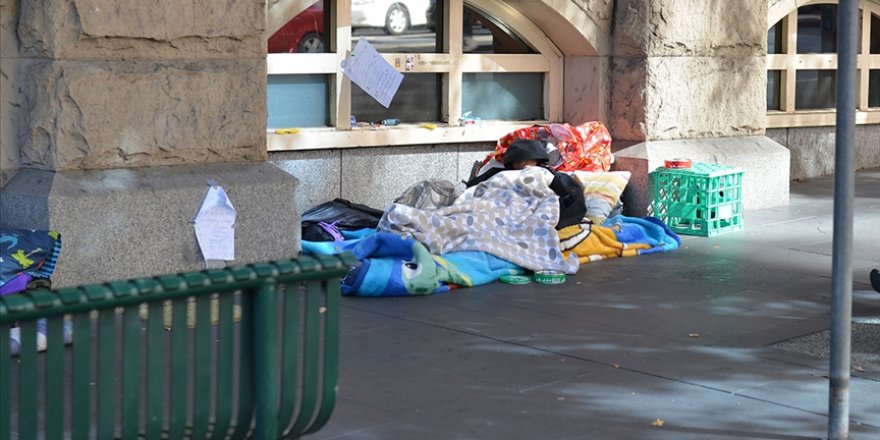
<point x="648" y="230"/>
<point x="396" y="266"/>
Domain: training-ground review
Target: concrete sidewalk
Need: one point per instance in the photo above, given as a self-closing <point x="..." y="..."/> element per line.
<point x="721" y="339"/>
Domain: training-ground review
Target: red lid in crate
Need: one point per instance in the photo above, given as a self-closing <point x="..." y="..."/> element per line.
<point x="678" y="163"/>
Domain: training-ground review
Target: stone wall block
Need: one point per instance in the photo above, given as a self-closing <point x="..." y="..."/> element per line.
<point x="157" y="114"/>
<point x="601" y="11"/>
<point x="318" y="172"/>
<point x="691" y="27"/>
<point x="8" y="25"/>
<point x="191" y="29"/>
<point x="691" y="97"/>
<point x="764" y="162"/>
<point x="812" y="150"/>
<point x="628" y="99"/>
<point x="588" y="89"/>
<point x="377" y="176"/>
<point x="124" y="223"/>
<point x="631" y="19"/>
<point x="771" y="3"/>
<point x="10" y="103"/>
<point x="40" y="120"/>
<point x="867" y="146"/>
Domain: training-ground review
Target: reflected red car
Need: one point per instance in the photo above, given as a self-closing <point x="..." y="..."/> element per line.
<point x="304" y="33"/>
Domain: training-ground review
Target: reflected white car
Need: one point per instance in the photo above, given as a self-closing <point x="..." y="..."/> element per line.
<point x="394" y="16"/>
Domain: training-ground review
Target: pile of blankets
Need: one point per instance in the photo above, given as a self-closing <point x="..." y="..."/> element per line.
<point x="502" y="226"/>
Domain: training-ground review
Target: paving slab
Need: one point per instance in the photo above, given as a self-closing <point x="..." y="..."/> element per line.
<point x="694" y="338"/>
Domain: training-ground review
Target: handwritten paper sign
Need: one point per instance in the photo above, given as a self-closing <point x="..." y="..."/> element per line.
<point x="214" y="222"/>
<point x="366" y="68"/>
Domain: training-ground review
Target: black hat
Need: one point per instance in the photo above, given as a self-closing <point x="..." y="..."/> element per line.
<point x="525" y="149"/>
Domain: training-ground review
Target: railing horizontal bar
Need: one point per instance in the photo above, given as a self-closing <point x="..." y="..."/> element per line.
<point x="10" y="315"/>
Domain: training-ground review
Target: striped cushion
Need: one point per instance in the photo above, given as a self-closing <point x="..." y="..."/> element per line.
<point x="602" y="191"/>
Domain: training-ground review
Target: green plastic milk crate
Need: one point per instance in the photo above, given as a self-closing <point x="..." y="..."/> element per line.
<point x="705" y="199"/>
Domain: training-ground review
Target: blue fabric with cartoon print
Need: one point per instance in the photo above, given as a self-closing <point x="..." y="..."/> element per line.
<point x="27" y="253"/>
<point x="395" y="266"/>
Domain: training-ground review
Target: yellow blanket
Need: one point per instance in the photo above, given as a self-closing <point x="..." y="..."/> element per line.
<point x="591" y="242"/>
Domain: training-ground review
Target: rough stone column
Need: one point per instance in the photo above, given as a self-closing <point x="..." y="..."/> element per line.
<point x="9" y="98"/>
<point x="108" y="84"/>
<point x="692" y="70"/>
<point x="173" y="90"/>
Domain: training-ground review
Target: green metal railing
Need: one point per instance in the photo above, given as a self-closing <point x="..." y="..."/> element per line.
<point x="250" y="351"/>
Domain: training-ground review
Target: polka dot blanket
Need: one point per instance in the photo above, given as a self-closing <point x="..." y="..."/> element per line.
<point x="511" y="216"/>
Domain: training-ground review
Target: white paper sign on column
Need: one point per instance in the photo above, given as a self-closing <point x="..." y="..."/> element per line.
<point x="214" y="226"/>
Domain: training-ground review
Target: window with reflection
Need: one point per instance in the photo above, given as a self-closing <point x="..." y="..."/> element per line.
<point x="417" y="100"/>
<point x="505" y="96"/>
<point x="395" y="26"/>
<point x="304" y="33"/>
<point x="444" y="83"/>
<point x="817" y="29"/>
<point x="774" y="82"/>
<point x="815" y="89"/>
<point x="875" y="34"/>
<point x="297" y="101"/>
<point x="874" y="88"/>
<point x="799" y="79"/>
<point x="774" y="38"/>
<point x="483" y="34"/>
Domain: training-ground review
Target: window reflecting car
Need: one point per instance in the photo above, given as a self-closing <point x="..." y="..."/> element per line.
<point x="430" y="16"/>
<point x="394" y="16"/>
<point x="303" y="33"/>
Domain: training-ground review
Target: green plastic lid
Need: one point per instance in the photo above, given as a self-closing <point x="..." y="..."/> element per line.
<point x="515" y="279"/>
<point x="549" y="277"/>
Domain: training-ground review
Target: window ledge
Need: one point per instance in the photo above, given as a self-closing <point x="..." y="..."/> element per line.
<point x="817" y="118"/>
<point x="404" y="134"/>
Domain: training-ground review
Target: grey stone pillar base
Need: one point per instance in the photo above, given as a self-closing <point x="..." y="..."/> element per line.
<point x="123" y="223"/>
<point x="765" y="162"/>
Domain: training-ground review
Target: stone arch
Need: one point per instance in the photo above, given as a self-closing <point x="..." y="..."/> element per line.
<point x="575" y="27"/>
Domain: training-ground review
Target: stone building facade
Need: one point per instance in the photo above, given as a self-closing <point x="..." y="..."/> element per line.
<point x="116" y="115"/>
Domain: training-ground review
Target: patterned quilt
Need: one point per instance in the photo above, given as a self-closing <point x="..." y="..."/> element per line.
<point x="512" y="216"/>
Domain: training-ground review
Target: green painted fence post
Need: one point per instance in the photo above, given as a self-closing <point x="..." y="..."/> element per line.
<point x="265" y="322"/>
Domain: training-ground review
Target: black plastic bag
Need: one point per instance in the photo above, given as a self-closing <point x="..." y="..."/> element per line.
<point x="342" y="215"/>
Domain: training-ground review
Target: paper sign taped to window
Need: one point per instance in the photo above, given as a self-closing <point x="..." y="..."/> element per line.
<point x="366" y="68"/>
<point x="214" y="226"/>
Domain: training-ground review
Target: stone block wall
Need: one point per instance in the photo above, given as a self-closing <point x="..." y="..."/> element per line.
<point x="688" y="69"/>
<point x="134" y="222"/>
<point x="812" y="148"/>
<point x="99" y="95"/>
<point x="9" y="97"/>
<point x="374" y="176"/>
<point x="128" y="84"/>
<point x="587" y="89"/>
